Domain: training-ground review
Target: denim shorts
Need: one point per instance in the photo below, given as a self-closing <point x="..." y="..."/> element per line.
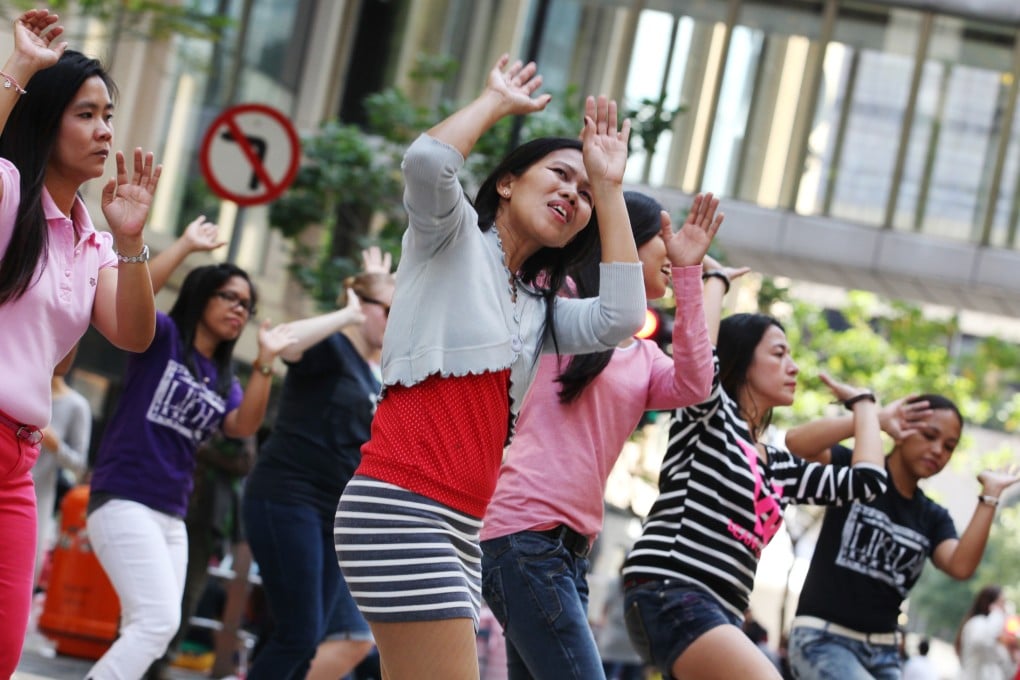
<point x="665" y="617"/>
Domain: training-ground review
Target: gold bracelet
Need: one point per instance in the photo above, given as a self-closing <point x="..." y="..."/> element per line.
<point x="264" y="369"/>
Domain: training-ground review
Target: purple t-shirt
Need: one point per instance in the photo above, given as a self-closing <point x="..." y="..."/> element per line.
<point x="148" y="450"/>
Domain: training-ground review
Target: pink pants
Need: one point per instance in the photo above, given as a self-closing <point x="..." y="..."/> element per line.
<point x="17" y="545"/>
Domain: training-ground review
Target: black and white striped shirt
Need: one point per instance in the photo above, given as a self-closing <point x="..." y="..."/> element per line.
<point x="719" y="504"/>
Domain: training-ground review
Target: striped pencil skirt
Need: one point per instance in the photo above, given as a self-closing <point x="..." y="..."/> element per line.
<point x="406" y="557"/>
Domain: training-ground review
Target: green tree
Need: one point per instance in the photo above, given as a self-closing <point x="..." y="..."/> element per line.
<point x="149" y="19"/>
<point x="350" y="185"/>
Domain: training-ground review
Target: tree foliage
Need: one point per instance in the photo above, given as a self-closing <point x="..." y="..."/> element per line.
<point x="140" y="18"/>
<point x="349" y="183"/>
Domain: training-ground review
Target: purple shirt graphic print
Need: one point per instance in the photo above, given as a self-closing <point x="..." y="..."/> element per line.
<point x="164" y="412"/>
<point x="185" y="405"/>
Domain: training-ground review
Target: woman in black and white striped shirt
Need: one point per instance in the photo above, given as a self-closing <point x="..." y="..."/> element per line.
<point x="721" y="497"/>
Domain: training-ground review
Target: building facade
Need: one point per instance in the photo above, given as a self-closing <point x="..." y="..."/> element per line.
<point x="859" y="143"/>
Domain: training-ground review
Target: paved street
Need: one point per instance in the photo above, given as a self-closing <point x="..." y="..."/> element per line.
<point x="37" y="666"/>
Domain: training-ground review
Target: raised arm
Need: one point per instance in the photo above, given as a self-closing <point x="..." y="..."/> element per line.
<point x="33" y="52"/>
<point x="200" y="235"/>
<point x="960" y="558"/>
<point x="508" y="92"/>
<point x="691" y="374"/>
<point x="814" y="440"/>
<point x="124" y="310"/>
<point x="604" y="148"/>
<point x="866" y="430"/>
<point x="717" y="279"/>
<point x="314" y="329"/>
<point x="244" y="421"/>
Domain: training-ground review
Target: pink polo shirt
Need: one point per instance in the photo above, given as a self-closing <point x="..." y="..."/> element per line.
<point x="41" y="327"/>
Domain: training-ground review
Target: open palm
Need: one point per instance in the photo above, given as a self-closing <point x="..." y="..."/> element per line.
<point x="126" y="200"/>
<point x="33" y="41"/>
<point x="690" y="245"/>
<point x="604" y="144"/>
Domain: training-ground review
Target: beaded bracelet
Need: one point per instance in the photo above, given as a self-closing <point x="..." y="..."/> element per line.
<point x="11" y="81"/>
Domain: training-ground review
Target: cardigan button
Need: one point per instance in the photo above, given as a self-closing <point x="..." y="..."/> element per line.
<point x="516" y="344"/>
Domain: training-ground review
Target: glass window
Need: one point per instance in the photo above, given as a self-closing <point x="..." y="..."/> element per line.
<point x="653" y="87"/>
<point x="1007" y="207"/>
<point x="863" y="97"/>
<point x="953" y="156"/>
<point x="675" y="61"/>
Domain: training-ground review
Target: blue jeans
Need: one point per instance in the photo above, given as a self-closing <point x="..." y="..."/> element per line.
<point x="538" y="591"/>
<point x="664" y="618"/>
<point x="293" y="546"/>
<point x="821" y="655"/>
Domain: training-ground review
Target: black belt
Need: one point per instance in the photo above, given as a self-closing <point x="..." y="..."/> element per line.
<point x="573" y="541"/>
<point x="32" y="435"/>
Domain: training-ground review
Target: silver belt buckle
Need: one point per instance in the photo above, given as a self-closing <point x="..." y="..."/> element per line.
<point x="29" y="434"/>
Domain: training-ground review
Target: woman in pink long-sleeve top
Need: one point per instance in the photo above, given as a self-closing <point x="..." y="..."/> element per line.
<point x="548" y="503"/>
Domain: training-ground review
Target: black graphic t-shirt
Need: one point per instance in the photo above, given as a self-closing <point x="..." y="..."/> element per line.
<point x="869" y="555"/>
<point x="325" y="415"/>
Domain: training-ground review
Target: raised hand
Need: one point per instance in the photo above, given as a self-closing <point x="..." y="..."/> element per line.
<point x="126" y="200"/>
<point x="842" y="391"/>
<point x="34" y="43"/>
<point x="515" y="86"/>
<point x="994" y="482"/>
<point x="690" y="245"/>
<point x="202" y="234"/>
<point x="375" y="261"/>
<point x="604" y="145"/>
<point x="353" y="306"/>
<point x="709" y="264"/>
<point x="900" y="419"/>
<point x="272" y="341"/>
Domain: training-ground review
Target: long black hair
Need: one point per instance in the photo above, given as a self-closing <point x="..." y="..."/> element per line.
<point x="546" y="269"/>
<point x="739" y="335"/>
<point x="646" y="223"/>
<point x="199" y="286"/>
<point x="27" y="141"/>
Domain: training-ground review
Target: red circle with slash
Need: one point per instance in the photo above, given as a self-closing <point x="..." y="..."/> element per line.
<point x="250" y="154"/>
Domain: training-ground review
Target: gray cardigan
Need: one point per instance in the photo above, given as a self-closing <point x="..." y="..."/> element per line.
<point x="452" y="310"/>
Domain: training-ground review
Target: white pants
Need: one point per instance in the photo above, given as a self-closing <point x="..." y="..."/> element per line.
<point x="145" y="554"/>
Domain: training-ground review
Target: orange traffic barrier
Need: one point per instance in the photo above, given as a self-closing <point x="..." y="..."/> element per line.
<point x="81" y="611"/>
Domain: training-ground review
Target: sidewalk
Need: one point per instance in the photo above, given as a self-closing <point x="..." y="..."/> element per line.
<point x="37" y="666"/>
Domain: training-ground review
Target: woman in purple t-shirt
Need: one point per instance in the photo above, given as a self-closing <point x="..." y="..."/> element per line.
<point x="175" y="394"/>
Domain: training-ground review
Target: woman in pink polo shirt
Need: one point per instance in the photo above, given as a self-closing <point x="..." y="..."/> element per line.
<point x="57" y="274"/>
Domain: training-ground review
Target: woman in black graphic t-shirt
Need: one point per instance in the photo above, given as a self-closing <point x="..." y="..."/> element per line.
<point x="870" y="554"/>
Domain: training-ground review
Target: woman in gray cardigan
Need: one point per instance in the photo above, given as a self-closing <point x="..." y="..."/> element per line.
<point x="474" y="307"/>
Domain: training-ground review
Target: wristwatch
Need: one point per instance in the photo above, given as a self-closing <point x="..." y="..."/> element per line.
<point x="988" y="500"/>
<point x="135" y="259"/>
<point x="264" y="369"/>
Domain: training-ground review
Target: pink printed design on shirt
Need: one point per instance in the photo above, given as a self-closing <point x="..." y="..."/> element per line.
<point x="768" y="516"/>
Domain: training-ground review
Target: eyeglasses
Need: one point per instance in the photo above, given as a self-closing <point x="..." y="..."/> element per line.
<point x="371" y="301"/>
<point x="234" y="300"/>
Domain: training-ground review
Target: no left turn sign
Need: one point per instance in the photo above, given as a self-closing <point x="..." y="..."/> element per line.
<point x="250" y="154"/>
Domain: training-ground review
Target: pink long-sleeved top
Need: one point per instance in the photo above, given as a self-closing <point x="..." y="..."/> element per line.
<point x="556" y="468"/>
<point x="42" y="326"/>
